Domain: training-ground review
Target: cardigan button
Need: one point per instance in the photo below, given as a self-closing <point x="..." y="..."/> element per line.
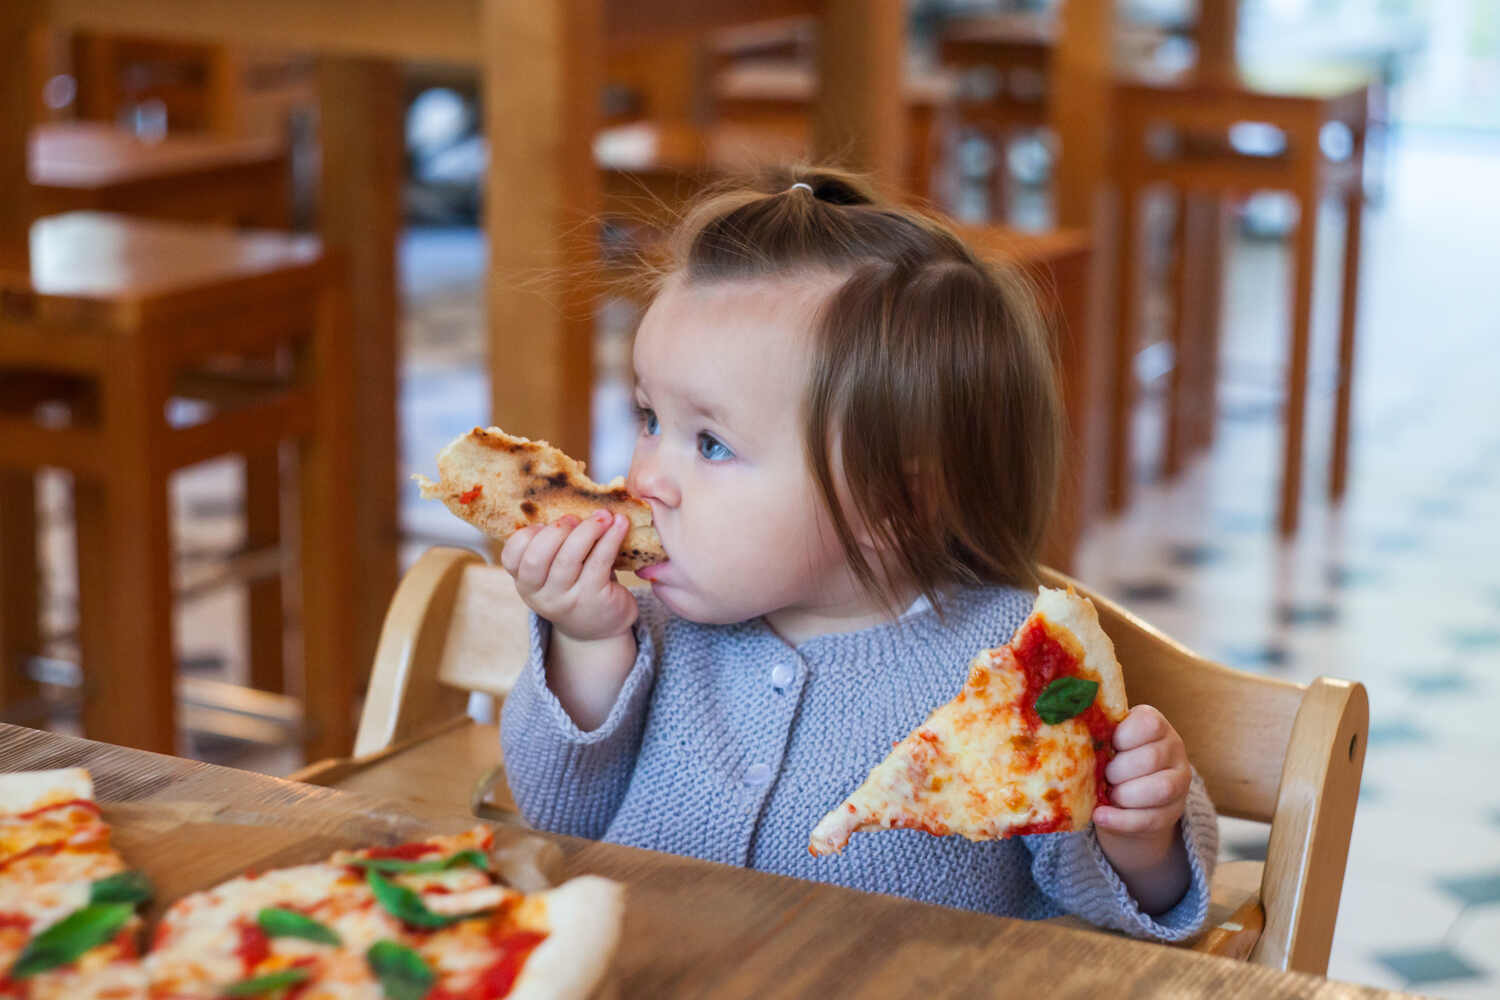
<point x="757" y="775"/>
<point x="781" y="675"/>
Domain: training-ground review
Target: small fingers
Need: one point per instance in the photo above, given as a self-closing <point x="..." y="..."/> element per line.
<point x="1143" y="760"/>
<point x="601" y="560"/>
<point x="568" y="563"/>
<point x="1142" y="725"/>
<point x="1162" y="788"/>
<point x="1135" y="822"/>
<point x="536" y="563"/>
<point x="515" y="548"/>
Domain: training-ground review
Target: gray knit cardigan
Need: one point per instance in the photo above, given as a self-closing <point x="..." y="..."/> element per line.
<point x="728" y="744"/>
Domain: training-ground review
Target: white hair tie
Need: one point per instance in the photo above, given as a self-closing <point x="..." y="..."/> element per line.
<point x="803" y="185"/>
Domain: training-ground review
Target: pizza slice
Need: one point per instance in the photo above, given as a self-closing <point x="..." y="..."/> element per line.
<point x="68" y="926"/>
<point x="427" y="919"/>
<point x="1021" y="750"/>
<point x="500" y="484"/>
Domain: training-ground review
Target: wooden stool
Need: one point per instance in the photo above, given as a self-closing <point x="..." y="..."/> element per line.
<point x="1175" y="134"/>
<point x="1004" y="60"/>
<point x="129" y="314"/>
<point x="76" y="166"/>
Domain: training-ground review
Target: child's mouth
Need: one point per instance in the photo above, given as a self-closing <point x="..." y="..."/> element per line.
<point x="649" y="573"/>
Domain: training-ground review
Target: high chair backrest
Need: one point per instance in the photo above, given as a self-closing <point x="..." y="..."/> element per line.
<point x="1268" y="750"/>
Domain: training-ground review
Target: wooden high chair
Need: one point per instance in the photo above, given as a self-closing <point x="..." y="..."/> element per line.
<point x="1268" y="750"/>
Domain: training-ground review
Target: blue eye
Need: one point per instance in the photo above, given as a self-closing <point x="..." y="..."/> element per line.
<point x="647" y="420"/>
<point x="713" y="449"/>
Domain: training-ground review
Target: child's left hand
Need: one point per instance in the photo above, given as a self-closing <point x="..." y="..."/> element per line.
<point x="1150" y="775"/>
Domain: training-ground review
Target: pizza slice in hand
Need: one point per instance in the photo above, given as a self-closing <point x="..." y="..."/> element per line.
<point x="1021" y="750"/>
<point x="500" y="484"/>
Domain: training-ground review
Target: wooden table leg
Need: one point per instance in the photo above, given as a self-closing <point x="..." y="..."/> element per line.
<point x="1354" y="210"/>
<point x="1122" y="358"/>
<point x="1072" y="278"/>
<point x="265" y="624"/>
<point x="360" y="219"/>
<point x="329" y="538"/>
<point x="542" y="72"/>
<point x="20" y="636"/>
<point x="1212" y="323"/>
<point x="1183" y="276"/>
<point x="125" y="567"/>
<point x="1304" y="267"/>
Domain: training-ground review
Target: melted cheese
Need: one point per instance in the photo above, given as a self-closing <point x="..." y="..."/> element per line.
<point x="982" y="766"/>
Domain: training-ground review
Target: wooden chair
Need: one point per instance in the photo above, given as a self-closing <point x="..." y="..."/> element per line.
<point x="1269" y="750"/>
<point x="113" y="318"/>
<point x="1174" y="135"/>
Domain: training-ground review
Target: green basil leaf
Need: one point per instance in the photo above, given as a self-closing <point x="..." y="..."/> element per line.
<point x="121" y="887"/>
<point x="260" y="985"/>
<point x="277" y="922"/>
<point x="397" y="866"/>
<point x="402" y="973"/>
<point x="403" y="904"/>
<point x="70" y="937"/>
<point x="1064" y="698"/>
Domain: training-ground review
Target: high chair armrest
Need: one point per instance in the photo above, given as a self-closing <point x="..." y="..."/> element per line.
<point x="1310" y="830"/>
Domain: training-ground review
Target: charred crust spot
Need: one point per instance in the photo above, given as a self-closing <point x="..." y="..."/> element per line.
<point x="528" y="508"/>
<point x="557" y="480"/>
<point x="526" y="466"/>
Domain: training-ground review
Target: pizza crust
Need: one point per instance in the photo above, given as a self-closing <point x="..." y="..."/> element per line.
<point x="583" y="918"/>
<point x="22" y="791"/>
<point x="501" y="483"/>
<point x="1078" y="616"/>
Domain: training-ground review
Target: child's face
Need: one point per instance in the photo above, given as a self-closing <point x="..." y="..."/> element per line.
<point x="720" y="371"/>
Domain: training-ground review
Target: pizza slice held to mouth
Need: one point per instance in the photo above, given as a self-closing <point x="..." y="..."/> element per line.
<point x="500" y="484"/>
<point x="1021" y="749"/>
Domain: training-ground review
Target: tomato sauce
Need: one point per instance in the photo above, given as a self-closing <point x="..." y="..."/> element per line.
<point x="403" y="852"/>
<point x="1044" y="660"/>
<point x="69" y="804"/>
<point x="254" y="947"/>
<point x="496" y="980"/>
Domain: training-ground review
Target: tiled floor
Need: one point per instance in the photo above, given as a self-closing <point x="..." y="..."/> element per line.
<point x="1400" y="589"/>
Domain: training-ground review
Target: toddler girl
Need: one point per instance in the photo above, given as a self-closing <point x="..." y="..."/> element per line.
<point x="849" y="435"/>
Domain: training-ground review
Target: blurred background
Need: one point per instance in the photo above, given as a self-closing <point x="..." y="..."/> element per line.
<point x="1266" y="229"/>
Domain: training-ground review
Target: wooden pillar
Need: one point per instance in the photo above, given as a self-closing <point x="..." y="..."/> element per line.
<point x="1216" y="35"/>
<point x="18" y="575"/>
<point x="542" y="72"/>
<point x="1079" y="111"/>
<point x="360" y="221"/>
<point x="860" y="116"/>
<point x="1080" y="88"/>
<point x="18" y="18"/>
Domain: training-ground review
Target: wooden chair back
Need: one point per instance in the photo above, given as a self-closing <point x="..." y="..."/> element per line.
<point x="1268" y="749"/>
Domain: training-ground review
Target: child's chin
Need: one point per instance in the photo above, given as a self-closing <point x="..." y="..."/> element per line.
<point x="685" y="606"/>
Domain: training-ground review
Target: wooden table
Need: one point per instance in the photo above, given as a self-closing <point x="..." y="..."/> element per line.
<point x="542" y="71"/>
<point x="692" y="928"/>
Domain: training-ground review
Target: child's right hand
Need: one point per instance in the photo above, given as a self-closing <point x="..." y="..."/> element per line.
<point x="564" y="572"/>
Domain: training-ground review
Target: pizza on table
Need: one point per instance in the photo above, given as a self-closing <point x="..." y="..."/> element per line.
<point x="428" y="920"/>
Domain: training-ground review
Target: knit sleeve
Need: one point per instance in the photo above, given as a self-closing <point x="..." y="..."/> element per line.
<point x="563" y="779"/>
<point x="1071" y="869"/>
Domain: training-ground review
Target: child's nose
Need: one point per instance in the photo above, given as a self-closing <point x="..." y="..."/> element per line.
<point x="649" y="481"/>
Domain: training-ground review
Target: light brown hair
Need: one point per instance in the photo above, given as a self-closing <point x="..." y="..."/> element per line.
<point x="933" y="368"/>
